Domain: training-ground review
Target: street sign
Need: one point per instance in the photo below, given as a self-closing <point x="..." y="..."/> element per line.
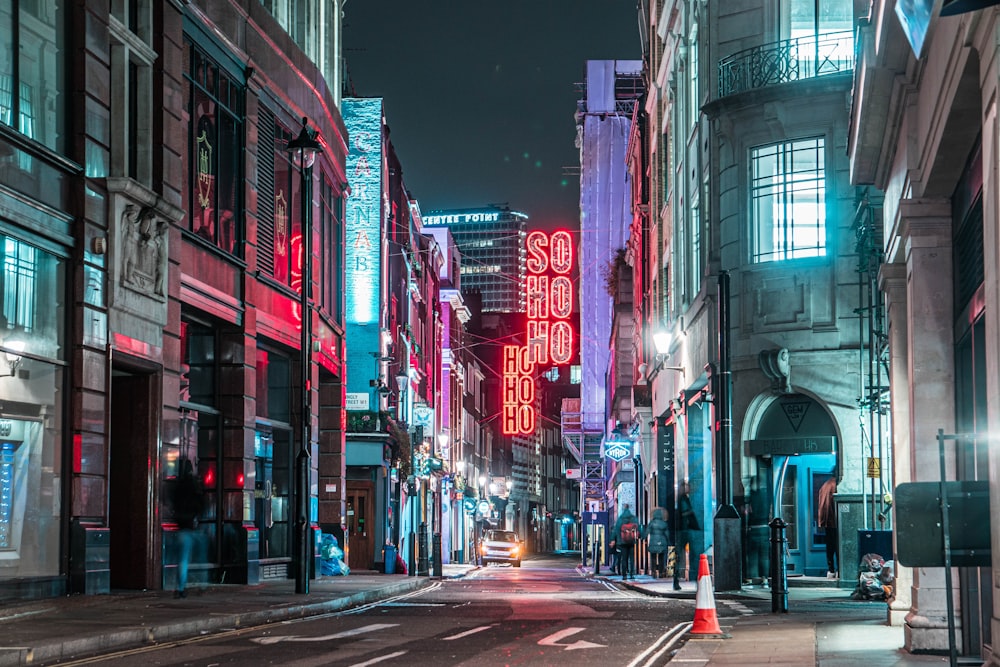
<point x="484" y="507"/>
<point x="617" y="450"/>
<point x="919" y="536"/>
<point x="469" y="504"/>
<point x="874" y="467"/>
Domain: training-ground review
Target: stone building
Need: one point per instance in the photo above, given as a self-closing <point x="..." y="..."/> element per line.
<point x="924" y="135"/>
<point x="153" y="232"/>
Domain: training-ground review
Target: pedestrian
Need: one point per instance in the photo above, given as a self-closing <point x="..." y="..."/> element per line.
<point x="625" y="534"/>
<point x="687" y="524"/>
<point x="615" y="555"/>
<point x="656" y="534"/>
<point x="188" y="504"/>
<point x="826" y="518"/>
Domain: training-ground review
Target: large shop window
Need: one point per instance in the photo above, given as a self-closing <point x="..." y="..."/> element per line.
<point x="33" y="70"/>
<point x="788" y="197"/>
<point x="216" y="148"/>
<point x="32" y="285"/>
<point x="200" y="443"/>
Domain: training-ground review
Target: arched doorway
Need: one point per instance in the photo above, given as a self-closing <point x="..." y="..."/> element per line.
<point x="795" y="451"/>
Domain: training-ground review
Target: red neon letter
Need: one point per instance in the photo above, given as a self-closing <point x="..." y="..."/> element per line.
<point x="536" y="243"/>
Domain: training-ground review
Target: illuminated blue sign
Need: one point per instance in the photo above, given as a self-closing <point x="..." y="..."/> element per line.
<point x="617" y="449"/>
<point x="363" y="119"/>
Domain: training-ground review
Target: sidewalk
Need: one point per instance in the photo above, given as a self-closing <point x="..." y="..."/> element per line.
<point x="824" y="626"/>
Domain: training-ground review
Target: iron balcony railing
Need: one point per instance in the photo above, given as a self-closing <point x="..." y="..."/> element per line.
<point x="788" y="60"/>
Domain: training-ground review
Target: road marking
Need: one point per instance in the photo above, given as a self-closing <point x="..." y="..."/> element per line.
<point x="738" y="607"/>
<point x="379" y="659"/>
<point x="413" y="604"/>
<point x="470" y="632"/>
<point x="324" y="638"/>
<point x="553" y="640"/>
<point x="668" y="639"/>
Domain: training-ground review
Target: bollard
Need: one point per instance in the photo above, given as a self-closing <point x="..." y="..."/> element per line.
<point x="779" y="571"/>
<point x="422" y="564"/>
<point x="597" y="559"/>
<point x="438" y="567"/>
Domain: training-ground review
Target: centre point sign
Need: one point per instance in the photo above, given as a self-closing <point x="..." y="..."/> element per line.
<point x="549" y="292"/>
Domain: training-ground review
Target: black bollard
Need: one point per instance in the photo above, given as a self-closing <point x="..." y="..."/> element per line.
<point x="438" y="566"/>
<point x="597" y="559"/>
<point x="779" y="571"/>
<point x="422" y="560"/>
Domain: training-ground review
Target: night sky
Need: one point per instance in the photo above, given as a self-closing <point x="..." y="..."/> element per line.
<point x="480" y="95"/>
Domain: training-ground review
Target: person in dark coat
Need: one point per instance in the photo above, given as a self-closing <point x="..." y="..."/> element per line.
<point x="827" y="520"/>
<point x="656" y="533"/>
<point x="188" y="505"/>
<point x="626" y="561"/>
<point x="687" y="523"/>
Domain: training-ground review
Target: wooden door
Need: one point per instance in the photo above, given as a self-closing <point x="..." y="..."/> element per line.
<point x="360" y="525"/>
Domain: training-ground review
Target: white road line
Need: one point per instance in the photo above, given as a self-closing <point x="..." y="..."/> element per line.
<point x="379" y="659"/>
<point x="470" y="632"/>
<point x="323" y="638"/>
<point x="668" y="639"/>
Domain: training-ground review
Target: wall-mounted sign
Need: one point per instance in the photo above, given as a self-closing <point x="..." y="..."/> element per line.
<point x="461" y="218"/>
<point x="356" y="400"/>
<point x="573" y="473"/>
<point x="616" y="450"/>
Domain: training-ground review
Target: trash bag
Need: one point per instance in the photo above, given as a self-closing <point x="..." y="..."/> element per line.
<point x="400" y="564"/>
<point x="331" y="555"/>
<point x="870" y="573"/>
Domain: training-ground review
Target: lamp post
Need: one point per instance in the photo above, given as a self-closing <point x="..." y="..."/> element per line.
<point x="302" y="151"/>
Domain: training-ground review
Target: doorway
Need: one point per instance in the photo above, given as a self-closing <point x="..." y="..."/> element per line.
<point x="360" y="525"/>
<point x="799" y="479"/>
<point x="134" y="415"/>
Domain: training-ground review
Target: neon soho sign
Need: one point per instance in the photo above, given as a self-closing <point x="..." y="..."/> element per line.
<point x="550" y="334"/>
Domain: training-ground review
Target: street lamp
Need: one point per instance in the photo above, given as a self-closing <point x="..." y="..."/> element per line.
<point x="303" y="150"/>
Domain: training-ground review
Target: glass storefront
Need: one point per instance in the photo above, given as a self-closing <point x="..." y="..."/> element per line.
<point x="273" y="448"/>
<point x="32" y="350"/>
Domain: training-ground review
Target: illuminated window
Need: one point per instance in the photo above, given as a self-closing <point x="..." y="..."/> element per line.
<point x="33" y="62"/>
<point x="216" y="148"/>
<point x="20" y="276"/>
<point x="787" y="192"/>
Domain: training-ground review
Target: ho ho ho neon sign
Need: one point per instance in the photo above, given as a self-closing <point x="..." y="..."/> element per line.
<point x="550" y="334"/>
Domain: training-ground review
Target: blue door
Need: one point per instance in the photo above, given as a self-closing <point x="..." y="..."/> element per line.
<point x="797" y="483"/>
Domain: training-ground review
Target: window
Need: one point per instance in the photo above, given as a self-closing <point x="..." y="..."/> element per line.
<point x="132" y="58"/>
<point x="787" y="193"/>
<point x="33" y="63"/>
<point x="216" y="148"/>
<point x="287" y="248"/>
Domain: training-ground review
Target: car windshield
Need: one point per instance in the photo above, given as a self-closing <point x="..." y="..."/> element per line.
<point x="501" y="536"/>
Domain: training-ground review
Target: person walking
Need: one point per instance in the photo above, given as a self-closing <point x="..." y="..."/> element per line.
<point x="188" y="504"/>
<point x="656" y="535"/>
<point x="687" y="523"/>
<point x="826" y="518"/>
<point x="626" y="533"/>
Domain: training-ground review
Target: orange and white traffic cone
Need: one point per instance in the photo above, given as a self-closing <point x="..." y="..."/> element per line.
<point x="706" y="622"/>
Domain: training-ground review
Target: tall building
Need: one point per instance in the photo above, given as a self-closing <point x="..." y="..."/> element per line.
<point x="491" y="240"/>
<point x="603" y="119"/>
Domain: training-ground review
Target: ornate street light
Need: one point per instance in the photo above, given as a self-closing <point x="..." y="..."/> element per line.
<point x="302" y="151"/>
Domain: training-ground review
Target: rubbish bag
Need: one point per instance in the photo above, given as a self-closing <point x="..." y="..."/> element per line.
<point x="331" y="555"/>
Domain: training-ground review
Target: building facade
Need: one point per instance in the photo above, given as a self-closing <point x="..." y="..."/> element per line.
<point x="923" y="136"/>
<point x="748" y="266"/>
<point x="161" y="320"/>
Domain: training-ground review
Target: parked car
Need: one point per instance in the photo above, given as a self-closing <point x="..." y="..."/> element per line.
<point x="501" y="546"/>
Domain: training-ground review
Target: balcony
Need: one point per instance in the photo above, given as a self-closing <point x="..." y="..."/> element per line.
<point x="796" y="59"/>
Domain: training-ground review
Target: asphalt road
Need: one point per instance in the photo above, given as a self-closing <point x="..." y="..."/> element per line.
<point x="542" y="613"/>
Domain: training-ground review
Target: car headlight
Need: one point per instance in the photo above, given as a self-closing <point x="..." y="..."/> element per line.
<point x="514" y="550"/>
<point x="482" y="548"/>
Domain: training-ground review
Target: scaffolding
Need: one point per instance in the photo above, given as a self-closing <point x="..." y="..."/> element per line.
<point x="874" y="415"/>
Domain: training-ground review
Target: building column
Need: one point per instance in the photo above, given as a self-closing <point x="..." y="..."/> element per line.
<point x="930" y="390"/>
<point x="892" y="279"/>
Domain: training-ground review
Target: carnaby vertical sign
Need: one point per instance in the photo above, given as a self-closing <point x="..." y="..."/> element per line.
<point x="665" y="495"/>
<point x="363" y="119"/>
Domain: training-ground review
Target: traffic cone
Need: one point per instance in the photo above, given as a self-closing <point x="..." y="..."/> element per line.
<point x="706" y="622"/>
